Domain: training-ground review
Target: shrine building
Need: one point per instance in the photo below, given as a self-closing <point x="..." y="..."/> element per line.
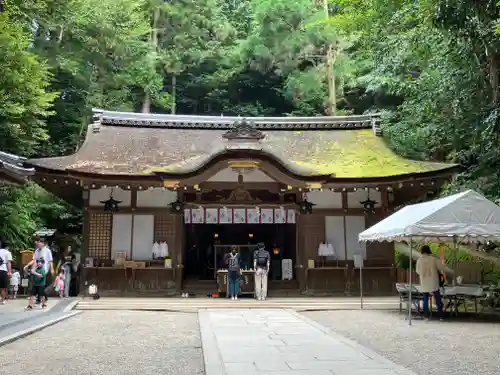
<point x="198" y="184"/>
<point x="12" y="169"/>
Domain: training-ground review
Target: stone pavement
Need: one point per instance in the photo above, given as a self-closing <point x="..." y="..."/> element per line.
<point x="15" y="322"/>
<point x="282" y="342"/>
<point x="13" y="311"/>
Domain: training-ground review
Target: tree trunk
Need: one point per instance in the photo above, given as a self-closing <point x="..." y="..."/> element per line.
<point x="146" y="104"/>
<point x="330" y="76"/>
<point x="174" y="94"/>
<point x="494" y="77"/>
<point x="153" y="40"/>
<point x="331" y="107"/>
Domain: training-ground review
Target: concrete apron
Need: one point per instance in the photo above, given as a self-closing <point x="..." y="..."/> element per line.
<point x="282" y="342"/>
<point x="28" y="325"/>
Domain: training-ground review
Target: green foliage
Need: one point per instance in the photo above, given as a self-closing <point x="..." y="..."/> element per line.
<point x="431" y="67"/>
<point x="451" y="255"/>
<point x="24" y="100"/>
<point x="26" y="209"/>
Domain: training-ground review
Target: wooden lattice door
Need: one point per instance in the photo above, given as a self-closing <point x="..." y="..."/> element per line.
<point x="99" y="244"/>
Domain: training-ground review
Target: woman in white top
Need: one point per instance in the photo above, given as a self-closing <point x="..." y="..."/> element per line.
<point x="5" y="271"/>
<point x="429" y="268"/>
<point x="42" y="251"/>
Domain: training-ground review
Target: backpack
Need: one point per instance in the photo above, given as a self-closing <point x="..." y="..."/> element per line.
<point x="262" y="258"/>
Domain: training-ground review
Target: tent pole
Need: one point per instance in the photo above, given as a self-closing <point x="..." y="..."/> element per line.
<point x="410" y="300"/>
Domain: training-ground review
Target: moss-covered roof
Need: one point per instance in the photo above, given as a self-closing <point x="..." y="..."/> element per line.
<point x="140" y="151"/>
<point x="359" y="153"/>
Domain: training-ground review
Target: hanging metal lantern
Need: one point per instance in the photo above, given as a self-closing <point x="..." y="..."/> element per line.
<point x="369" y="204"/>
<point x="178" y="206"/>
<point x="306" y="207"/>
<point x="111" y="205"/>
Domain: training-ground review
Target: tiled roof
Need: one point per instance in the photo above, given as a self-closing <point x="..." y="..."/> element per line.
<point x="227" y="122"/>
<point x="136" y="145"/>
<point x="12" y="170"/>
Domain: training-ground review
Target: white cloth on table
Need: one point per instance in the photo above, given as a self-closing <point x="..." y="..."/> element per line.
<point x="330" y="250"/>
<point x="286" y="269"/>
<point x="322" y="249"/>
<point x="163" y="249"/>
<point x="464" y="290"/>
<point x="460" y="290"/>
<point x="326" y="250"/>
<point x="156" y="249"/>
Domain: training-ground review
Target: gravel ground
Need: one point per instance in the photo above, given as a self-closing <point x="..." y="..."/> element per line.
<point x="428" y="347"/>
<point x="110" y="343"/>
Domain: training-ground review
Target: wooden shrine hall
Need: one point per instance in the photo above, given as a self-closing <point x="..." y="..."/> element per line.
<point x="165" y="196"/>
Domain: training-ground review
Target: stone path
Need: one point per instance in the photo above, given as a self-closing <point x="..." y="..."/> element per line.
<point x="282" y="342"/>
<point x="13" y="311"/>
<point x="16" y="322"/>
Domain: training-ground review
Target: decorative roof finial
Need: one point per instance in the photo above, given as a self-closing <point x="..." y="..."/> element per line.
<point x="244" y="130"/>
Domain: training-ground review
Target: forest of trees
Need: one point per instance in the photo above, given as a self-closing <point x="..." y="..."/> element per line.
<point x="431" y="67"/>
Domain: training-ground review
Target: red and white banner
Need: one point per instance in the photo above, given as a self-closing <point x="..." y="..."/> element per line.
<point x="252" y="215"/>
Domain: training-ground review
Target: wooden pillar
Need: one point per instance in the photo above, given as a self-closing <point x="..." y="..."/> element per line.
<point x="84" y="251"/>
<point x="345" y="206"/>
<point x="312" y="227"/>
<point x="133" y="199"/>
<point x="178" y="261"/>
<point x="300" y="262"/>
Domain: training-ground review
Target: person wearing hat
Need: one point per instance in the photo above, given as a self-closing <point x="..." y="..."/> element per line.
<point x="261" y="263"/>
<point x="38" y="279"/>
<point x="5" y="270"/>
<point x="42" y="251"/>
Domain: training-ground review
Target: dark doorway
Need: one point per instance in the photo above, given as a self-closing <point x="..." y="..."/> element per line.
<point x="206" y="245"/>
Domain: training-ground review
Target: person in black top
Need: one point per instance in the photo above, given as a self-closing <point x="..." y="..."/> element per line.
<point x="67" y="267"/>
<point x="232" y="261"/>
<point x="261" y="264"/>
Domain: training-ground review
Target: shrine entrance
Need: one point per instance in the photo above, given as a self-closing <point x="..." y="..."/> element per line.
<point x="207" y="243"/>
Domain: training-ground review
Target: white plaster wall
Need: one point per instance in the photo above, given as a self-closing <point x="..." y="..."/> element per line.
<point x="229" y="175"/>
<point x="334" y="234"/>
<point x="325" y="199"/>
<point x="156" y="197"/>
<point x="354" y="226"/>
<point x="355" y="198"/>
<point x="121" y="234"/>
<point x="102" y="194"/>
<point x="142" y="243"/>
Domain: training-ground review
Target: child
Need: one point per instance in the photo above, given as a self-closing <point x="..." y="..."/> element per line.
<point x="60" y="283"/>
<point x="38" y="277"/>
<point x="15" y="280"/>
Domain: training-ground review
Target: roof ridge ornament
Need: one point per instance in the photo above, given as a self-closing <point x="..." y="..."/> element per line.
<point x="97" y="120"/>
<point x="376" y="126"/>
<point x="245" y="131"/>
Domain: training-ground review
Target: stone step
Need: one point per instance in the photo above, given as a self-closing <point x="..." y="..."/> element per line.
<point x="195" y="304"/>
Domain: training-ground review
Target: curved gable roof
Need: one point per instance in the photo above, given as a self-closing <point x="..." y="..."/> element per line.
<point x="175" y="145"/>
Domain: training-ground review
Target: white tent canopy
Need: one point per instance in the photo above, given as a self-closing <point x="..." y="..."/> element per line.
<point x="467" y="216"/>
